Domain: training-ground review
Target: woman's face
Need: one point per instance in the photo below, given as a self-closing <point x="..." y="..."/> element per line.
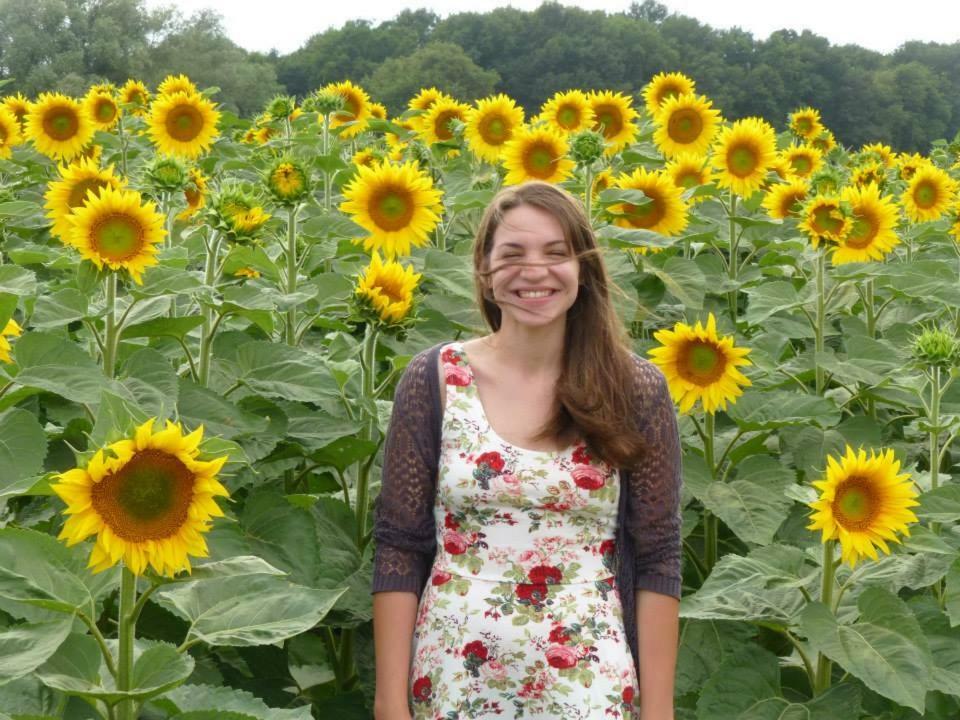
<point x="535" y="278"/>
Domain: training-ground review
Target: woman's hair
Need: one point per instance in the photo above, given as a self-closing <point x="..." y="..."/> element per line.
<point x="595" y="391"/>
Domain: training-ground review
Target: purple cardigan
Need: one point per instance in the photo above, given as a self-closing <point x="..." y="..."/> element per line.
<point x="648" y="545"/>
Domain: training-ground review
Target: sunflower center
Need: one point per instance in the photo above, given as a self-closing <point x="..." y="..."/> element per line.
<point x="667" y="92"/>
<point x="701" y="363"/>
<point x="538" y="160"/>
<point x="117" y="237"/>
<point x="825" y="220"/>
<point x="78" y="193"/>
<point x="351" y="107"/>
<point x="804" y="126"/>
<point x="801" y="164"/>
<point x="494" y="130"/>
<point x="742" y="160"/>
<point x="61" y="124"/>
<point x="689" y="179"/>
<point x="609" y="120"/>
<point x="441" y="126"/>
<point x="391" y="208"/>
<point x="863" y="232"/>
<point x="925" y="195"/>
<point x="184" y="123"/>
<point x="855" y="503"/>
<point x="685" y="126"/>
<point x="105" y="110"/>
<point x="568" y="117"/>
<point x="646" y="215"/>
<point x="146" y="499"/>
<point x="790" y="203"/>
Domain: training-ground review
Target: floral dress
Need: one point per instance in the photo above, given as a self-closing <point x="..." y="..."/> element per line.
<point x="520" y="617"/>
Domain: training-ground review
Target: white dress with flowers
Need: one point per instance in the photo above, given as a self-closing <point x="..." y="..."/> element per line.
<point x="520" y="618"/>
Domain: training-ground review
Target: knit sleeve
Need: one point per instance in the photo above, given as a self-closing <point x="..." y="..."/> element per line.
<point x="653" y="510"/>
<point x="404" y="525"/>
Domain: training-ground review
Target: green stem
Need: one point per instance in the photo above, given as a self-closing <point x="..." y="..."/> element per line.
<point x="733" y="266"/>
<point x="871" y="312"/>
<point x="291" y="327"/>
<point x="821" y="682"/>
<point x="326" y="173"/>
<point x="207" y="330"/>
<point x="368" y="373"/>
<point x="820" y="318"/>
<point x="123" y="147"/>
<point x="111" y="341"/>
<point x="588" y="191"/>
<point x="935" y="425"/>
<point x="126" y="634"/>
<point x="710" y="528"/>
<point x="101" y="642"/>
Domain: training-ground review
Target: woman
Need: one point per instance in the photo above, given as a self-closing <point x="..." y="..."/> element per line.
<point x="512" y="577"/>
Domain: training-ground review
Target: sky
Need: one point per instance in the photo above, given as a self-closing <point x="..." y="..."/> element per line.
<point x="881" y="25"/>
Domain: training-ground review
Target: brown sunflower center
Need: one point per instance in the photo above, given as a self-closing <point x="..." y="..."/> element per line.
<point x="826" y="220"/>
<point x="742" y="160"/>
<point x="184" y="123"/>
<point x="494" y="129"/>
<point x="803" y="125"/>
<point x="689" y="179"/>
<point x="105" y="110"/>
<point x="855" y="503"/>
<point x="701" y="362"/>
<point x="136" y="97"/>
<point x="790" y="202"/>
<point x="568" y="117"/>
<point x="351" y="108"/>
<point x="391" y="208"/>
<point x="441" y="126"/>
<point x="61" y="123"/>
<point x="117" y="237"/>
<point x="863" y="231"/>
<point x="668" y="91"/>
<point x="685" y="126"/>
<point x="609" y="120"/>
<point x="539" y="160"/>
<point x="646" y="215"/>
<point x="802" y="164"/>
<point x="146" y="499"/>
<point x="78" y="193"/>
<point x="925" y="194"/>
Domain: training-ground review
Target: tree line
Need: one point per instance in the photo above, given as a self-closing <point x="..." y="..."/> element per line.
<point x="907" y="98"/>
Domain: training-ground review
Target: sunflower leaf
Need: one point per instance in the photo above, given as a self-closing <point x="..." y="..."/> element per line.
<point x="218" y="699"/>
<point x="285" y="372"/>
<point x="940" y="505"/>
<point x="777" y="408"/>
<point x="59" y="366"/>
<point x="23" y="648"/>
<point x="23" y="447"/>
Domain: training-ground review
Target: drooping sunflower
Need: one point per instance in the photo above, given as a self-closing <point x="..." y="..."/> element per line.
<point x="802" y="160"/>
<point x="135" y="95"/>
<point x="238" y="214"/>
<point x="397" y="204"/>
<point x="365" y="157"/>
<point x="58" y="127"/>
<point x="19" y="106"/>
<point x="663" y="86"/>
<point x="183" y="124"/>
<point x="11" y="329"/>
<point x="685" y="124"/>
<point x="70" y="192"/>
<point x="538" y="153"/>
<point x="929" y="193"/>
<point x="864" y="502"/>
<point x="195" y="193"/>
<point x="805" y="123"/>
<point x="387" y="289"/>
<point x="824" y="142"/>
<point x="908" y="164"/>
<point x="117" y="229"/>
<point x="870" y="172"/>
<point x="742" y="155"/>
<point x="603" y="180"/>
<point x="613" y="117"/>
<point x="784" y="200"/>
<point x="101" y="107"/>
<point x="353" y="116"/>
<point x="872" y="232"/>
<point x="881" y="152"/>
<point x="434" y="124"/>
<point x="665" y="211"/>
<point x="568" y="112"/>
<point x="700" y="365"/>
<point x="148" y="499"/>
<point x="173" y="84"/>
<point x="823" y="218"/>
<point x="491" y="124"/>
<point x="9" y="132"/>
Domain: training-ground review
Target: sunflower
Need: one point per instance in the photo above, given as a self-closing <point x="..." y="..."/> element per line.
<point x="195" y="193"/>
<point x="365" y="157"/>
<point x="568" y="112"/>
<point x="664" y="212"/>
<point x="173" y="84"/>
<point x="183" y="124"/>
<point x="663" y="86"/>
<point x="537" y="154"/>
<point x="881" y="152"/>
<point x="11" y="329"/>
<point x="147" y="498"/>
<point x="823" y="218"/>
<point x="247" y="272"/>
<point x="288" y="181"/>
<point x="434" y="124"/>
<point x="785" y="199"/>
<point x="70" y="192"/>
<point x="613" y="117"/>
<point x="101" y="108"/>
<point x="863" y="503"/>
<point x="824" y="142"/>
<point x="378" y="111"/>
<point x="135" y="95"/>
<point x="19" y="106"/>
<point x="908" y="164"/>
<point x="58" y="126"/>
<point x="603" y="180"/>
<point x="424" y="100"/>
<point x="871" y="172"/>
<point x="805" y="123"/>
<point x="237" y="213"/>
<point x="929" y="193"/>
<point x="115" y="228"/>
<point x="688" y="171"/>
<point x="355" y="110"/>
<point x="955" y="223"/>
<point x="742" y="155"/>
<point x="9" y="132"/>
<point x="700" y="365"/>
<point x="871" y="235"/>
<point x="802" y="160"/>
<point x="387" y="289"/>
<point x="491" y="124"/>
<point x="685" y="123"/>
<point x="396" y="204"/>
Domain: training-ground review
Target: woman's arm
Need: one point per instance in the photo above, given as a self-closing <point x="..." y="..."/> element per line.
<point x="657" y="640"/>
<point x="394" y="614"/>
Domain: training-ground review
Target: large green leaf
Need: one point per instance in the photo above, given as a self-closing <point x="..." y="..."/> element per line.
<point x="885" y="648"/>
<point x="704" y="645"/>
<point x="941" y="505"/>
<point x="23" y="648"/>
<point x="944" y="642"/>
<point x="953" y="593"/>
<point x="770" y="298"/>
<point x="26" y="698"/>
<point x="219" y="416"/>
<point x="684" y="280"/>
<point x="58" y="309"/>
<point x="285" y="372"/>
<point x="777" y="408"/>
<point x="749" y="676"/>
<point x="59" y="366"/>
<point x="246" y="610"/>
<point x="209" y="698"/>
<point x="23" y="447"/>
<point x="151" y="381"/>
<point x="839" y="702"/>
<point x="178" y="327"/>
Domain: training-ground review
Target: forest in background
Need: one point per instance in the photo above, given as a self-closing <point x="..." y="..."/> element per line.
<point x="906" y="99"/>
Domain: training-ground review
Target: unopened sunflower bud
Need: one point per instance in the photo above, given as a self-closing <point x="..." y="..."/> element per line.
<point x="288" y="181"/>
<point x="168" y="174"/>
<point x="325" y="102"/>
<point x="586" y="147"/>
<point x="281" y="106"/>
<point x="936" y="348"/>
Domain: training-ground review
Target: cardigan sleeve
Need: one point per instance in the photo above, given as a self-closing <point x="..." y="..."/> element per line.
<point x="653" y="509"/>
<point x="404" y="525"/>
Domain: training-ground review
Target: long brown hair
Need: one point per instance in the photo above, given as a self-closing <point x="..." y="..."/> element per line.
<point x="595" y="397"/>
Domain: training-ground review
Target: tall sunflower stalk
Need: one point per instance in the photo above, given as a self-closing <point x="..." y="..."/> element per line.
<point x="208" y="329"/>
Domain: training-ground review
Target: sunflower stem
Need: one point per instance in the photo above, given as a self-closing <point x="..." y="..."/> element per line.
<point x="821" y="681"/>
<point x="326" y="151"/>
<point x="733" y="266"/>
<point x="820" y="318"/>
<point x="710" y="529"/>
<point x="291" y="328"/>
<point x="101" y="642"/>
<point x="111" y="331"/>
<point x="123" y="147"/>
<point x="935" y="428"/>
<point x="368" y="376"/>
<point x="126" y="634"/>
<point x="207" y="331"/>
<point x="588" y="191"/>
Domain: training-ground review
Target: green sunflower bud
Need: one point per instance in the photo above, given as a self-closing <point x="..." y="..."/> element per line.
<point x="586" y="147"/>
<point x="168" y="174"/>
<point x="238" y="214"/>
<point x="325" y="102"/>
<point x="288" y="181"/>
<point x="281" y="106"/>
<point x="936" y="348"/>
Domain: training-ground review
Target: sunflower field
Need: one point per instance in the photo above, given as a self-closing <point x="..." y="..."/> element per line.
<point x="204" y="317"/>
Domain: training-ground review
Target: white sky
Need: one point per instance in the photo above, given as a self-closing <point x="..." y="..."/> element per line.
<point x="881" y="25"/>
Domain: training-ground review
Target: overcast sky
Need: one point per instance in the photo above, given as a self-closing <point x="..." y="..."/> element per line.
<point x="881" y="25"/>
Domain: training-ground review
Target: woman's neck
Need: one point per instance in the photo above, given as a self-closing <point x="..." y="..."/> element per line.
<point x="531" y="351"/>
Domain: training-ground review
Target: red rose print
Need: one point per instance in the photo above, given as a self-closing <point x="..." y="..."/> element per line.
<point x="440" y="578"/>
<point x="456" y="375"/>
<point x="561" y="656"/>
<point x="449" y="355"/>
<point x="580" y="455"/>
<point x="450" y="523"/>
<point x="588" y="477"/>
<point x="477" y="649"/>
<point x="422" y="689"/>
<point x="628" y="694"/>
<point x="492" y="460"/>
<point x="607" y="547"/>
<point x="559" y="635"/>
<point x="532" y="593"/>
<point x="455" y="543"/>
<point x="545" y="574"/>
